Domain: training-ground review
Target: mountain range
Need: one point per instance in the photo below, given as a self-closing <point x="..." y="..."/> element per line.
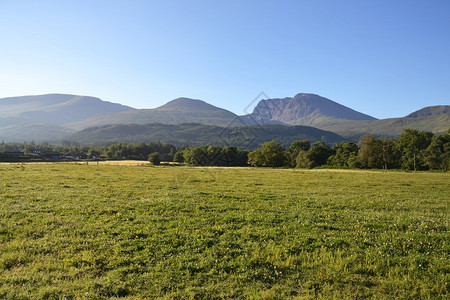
<point x="316" y="111"/>
<point x="178" y="111"/>
<point x="55" y="117"/>
<point x="55" y="109"/>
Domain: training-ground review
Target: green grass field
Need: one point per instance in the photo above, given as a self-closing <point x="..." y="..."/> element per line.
<point x="86" y="231"/>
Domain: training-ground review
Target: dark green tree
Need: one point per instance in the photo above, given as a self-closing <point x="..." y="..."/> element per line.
<point x="295" y="149"/>
<point x="230" y="156"/>
<point x="446" y="157"/>
<point x="304" y="161"/>
<point x="169" y="156"/>
<point x="242" y="157"/>
<point x="154" y="158"/>
<point x="316" y="156"/>
<point x="196" y="156"/>
<point x="319" y="153"/>
<point x="436" y="155"/>
<point x="389" y="155"/>
<point x="345" y="155"/>
<point x="370" y="152"/>
<point x="214" y="156"/>
<point x="179" y="156"/>
<point x="256" y="158"/>
<point x="411" y="143"/>
<point x="271" y="154"/>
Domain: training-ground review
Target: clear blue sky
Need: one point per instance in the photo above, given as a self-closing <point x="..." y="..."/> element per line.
<point x="384" y="58"/>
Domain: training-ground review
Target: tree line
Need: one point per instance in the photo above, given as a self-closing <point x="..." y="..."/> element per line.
<point x="213" y="156"/>
<point x="114" y="151"/>
<point x="412" y="150"/>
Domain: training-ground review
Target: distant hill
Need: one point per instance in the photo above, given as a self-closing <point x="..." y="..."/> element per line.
<point x="319" y="112"/>
<point x="55" y="108"/>
<point x="42" y="118"/>
<point x="433" y="118"/>
<point x="303" y="109"/>
<point x="430" y="111"/>
<point x="178" y="111"/>
<point x="37" y="132"/>
<point x="193" y="134"/>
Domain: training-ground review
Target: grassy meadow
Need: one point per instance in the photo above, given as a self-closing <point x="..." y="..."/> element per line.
<point x="72" y="231"/>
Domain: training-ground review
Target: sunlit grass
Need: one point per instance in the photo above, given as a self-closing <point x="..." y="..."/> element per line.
<point x="100" y="231"/>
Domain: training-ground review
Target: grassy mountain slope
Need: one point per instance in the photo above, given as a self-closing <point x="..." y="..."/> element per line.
<point x="40" y="118"/>
<point x="434" y="118"/>
<point x="55" y="108"/>
<point x="178" y="111"/>
<point x="430" y="111"/>
<point x="196" y="134"/>
<point x="38" y="132"/>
